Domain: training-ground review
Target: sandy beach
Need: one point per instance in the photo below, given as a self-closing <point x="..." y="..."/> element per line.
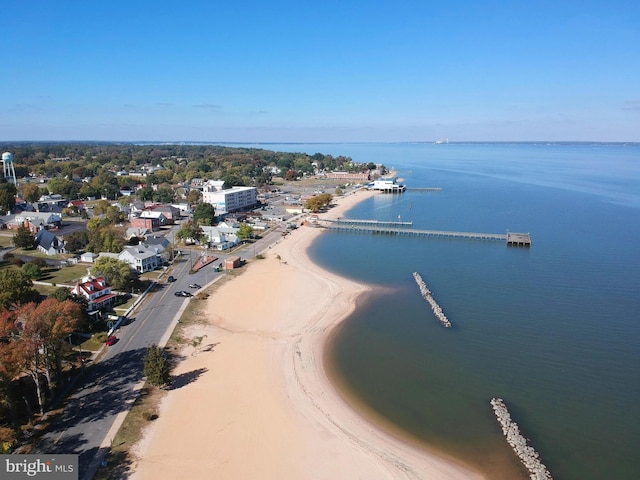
<point x="258" y="403"/>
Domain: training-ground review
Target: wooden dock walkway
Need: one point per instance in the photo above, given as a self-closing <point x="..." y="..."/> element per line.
<point x="404" y="228"/>
<point x="368" y="223"/>
<point x="424" y="189"/>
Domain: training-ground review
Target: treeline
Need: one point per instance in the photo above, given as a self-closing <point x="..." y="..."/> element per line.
<point x="180" y="163"/>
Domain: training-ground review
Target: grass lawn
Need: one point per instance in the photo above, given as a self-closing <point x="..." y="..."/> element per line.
<point x="34" y="252"/>
<point x="6" y="241"/>
<point x="67" y="275"/>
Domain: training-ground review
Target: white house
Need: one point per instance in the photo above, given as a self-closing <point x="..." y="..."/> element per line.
<point x="48" y="243"/>
<point x="96" y="291"/>
<point x="221" y="238"/>
<point x="140" y="258"/>
<point x="35" y="220"/>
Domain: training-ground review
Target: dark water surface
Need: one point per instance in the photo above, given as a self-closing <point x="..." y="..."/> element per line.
<point x="553" y="329"/>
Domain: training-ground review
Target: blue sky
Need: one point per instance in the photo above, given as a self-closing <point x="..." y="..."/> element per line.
<point x="331" y="71"/>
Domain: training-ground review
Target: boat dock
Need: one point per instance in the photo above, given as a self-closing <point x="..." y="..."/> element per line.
<point x="405" y="228"/>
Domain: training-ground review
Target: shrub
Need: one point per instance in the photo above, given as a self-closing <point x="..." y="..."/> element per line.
<point x="156" y="367"/>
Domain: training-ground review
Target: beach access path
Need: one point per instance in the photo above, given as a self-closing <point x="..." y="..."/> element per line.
<point x="260" y="405"/>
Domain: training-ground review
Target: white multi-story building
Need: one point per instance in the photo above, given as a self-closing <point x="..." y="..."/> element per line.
<point x="230" y="200"/>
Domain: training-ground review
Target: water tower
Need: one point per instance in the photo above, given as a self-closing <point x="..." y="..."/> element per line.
<point x="8" y="169"/>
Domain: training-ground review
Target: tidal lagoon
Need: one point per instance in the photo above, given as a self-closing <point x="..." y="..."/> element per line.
<point x="552" y="329"/>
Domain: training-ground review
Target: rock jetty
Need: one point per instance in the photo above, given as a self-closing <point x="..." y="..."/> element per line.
<point x="426" y="294"/>
<point x="528" y="456"/>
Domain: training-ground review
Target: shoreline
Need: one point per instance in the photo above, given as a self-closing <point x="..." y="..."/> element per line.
<point x="261" y="403"/>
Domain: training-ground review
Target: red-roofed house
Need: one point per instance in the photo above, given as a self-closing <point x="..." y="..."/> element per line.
<point x="96" y="291"/>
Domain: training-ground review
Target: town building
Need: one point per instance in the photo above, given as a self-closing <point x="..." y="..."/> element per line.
<point x="228" y="200"/>
<point x="34" y="221"/>
<point x="358" y="177"/>
<point x="143" y="224"/>
<point x="387" y="185"/>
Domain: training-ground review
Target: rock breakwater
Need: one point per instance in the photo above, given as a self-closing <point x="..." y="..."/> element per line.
<point x="426" y="294"/>
<point x="528" y="456"/>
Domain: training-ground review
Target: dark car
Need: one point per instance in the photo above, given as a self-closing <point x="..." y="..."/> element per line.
<point x="111" y="340"/>
<point x="194" y="285"/>
<point x="182" y="293"/>
<point x="171" y="279"/>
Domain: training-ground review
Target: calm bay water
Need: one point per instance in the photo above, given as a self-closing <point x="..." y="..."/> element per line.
<point x="553" y="329"/>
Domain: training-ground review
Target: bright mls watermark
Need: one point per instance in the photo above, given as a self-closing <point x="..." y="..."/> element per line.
<point x="50" y="467"/>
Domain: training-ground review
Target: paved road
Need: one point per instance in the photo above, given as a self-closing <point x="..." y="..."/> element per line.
<point x="86" y="425"/>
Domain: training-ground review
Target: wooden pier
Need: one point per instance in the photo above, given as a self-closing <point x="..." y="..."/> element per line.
<point x="404" y="228"/>
<point x="424" y="189"/>
<point x="518" y="239"/>
<point x="368" y="223"/>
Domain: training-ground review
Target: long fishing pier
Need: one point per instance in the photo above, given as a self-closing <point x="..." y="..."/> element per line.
<point x="404" y="228"/>
<point x="424" y="189"/>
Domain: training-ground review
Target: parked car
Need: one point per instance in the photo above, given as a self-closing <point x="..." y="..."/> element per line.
<point x="111" y="340"/>
<point x="194" y="285"/>
<point x="171" y="279"/>
<point x="182" y="293"/>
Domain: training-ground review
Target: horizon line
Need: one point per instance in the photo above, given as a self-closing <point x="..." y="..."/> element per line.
<point x="236" y="142"/>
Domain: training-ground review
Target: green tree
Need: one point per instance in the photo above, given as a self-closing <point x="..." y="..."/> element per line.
<point x="245" y="232"/>
<point x="163" y="195"/>
<point x="15" y="288"/>
<point x="31" y="192"/>
<point x="204" y="214"/>
<point x="7" y="196"/>
<point x="23" y="238"/>
<point x="86" y="191"/>
<point x="190" y="231"/>
<point x="193" y="196"/>
<point x="101" y="207"/>
<point x="117" y="273"/>
<point x="75" y="241"/>
<point x="61" y="186"/>
<point x="32" y="270"/>
<point x="145" y="194"/>
<point x="156" y="367"/>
